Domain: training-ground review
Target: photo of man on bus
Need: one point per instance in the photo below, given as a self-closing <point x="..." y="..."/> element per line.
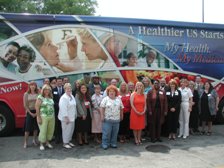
<point x="114" y="44"/>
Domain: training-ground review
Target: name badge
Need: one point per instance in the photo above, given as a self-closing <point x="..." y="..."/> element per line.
<point x="168" y="93"/>
<point x="87" y="103"/>
<point x="176" y="93"/>
<point x="209" y="95"/>
<point x="55" y="92"/>
<point x="160" y="92"/>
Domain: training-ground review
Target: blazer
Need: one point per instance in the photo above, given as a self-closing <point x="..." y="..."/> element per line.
<point x="173" y="101"/>
<point x="81" y="108"/>
<point x="56" y="96"/>
<point x="211" y="101"/>
<point x="151" y="102"/>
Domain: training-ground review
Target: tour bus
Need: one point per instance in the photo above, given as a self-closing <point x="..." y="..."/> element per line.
<point x="80" y="47"/>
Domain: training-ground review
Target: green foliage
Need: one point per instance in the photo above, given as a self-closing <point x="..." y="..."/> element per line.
<point x="71" y="7"/>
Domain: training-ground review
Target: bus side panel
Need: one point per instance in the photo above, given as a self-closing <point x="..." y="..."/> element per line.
<point x="12" y="96"/>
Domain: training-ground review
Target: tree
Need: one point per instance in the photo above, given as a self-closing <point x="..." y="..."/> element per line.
<point x="72" y="7"/>
<point x="15" y="6"/>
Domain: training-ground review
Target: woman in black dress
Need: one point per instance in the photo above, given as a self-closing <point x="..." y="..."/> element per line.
<point x="174" y="101"/>
<point x="208" y="106"/>
<point x="84" y="114"/>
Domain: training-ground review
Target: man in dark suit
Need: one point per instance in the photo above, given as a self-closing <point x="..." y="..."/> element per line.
<point x="198" y="83"/>
<point x="57" y="93"/>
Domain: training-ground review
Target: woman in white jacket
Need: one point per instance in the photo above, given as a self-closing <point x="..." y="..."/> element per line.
<point x="67" y="115"/>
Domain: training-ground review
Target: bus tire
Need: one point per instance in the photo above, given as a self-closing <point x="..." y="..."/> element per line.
<point x="7" y="123"/>
<point x="220" y="113"/>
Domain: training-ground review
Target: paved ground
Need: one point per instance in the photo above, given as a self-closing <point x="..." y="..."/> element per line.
<point x="195" y="152"/>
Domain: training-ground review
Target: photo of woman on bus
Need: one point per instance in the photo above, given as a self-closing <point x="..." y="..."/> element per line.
<point x="26" y="69"/>
<point x="51" y="52"/>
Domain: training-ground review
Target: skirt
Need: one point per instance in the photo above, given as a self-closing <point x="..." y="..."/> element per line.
<point x="96" y="122"/>
<point x="30" y="122"/>
<point x="81" y="125"/>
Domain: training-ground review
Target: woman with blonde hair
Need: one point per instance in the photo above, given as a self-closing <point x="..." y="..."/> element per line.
<point x="185" y="108"/>
<point x="45" y="116"/>
<point x="138" y="108"/>
<point x="67" y="115"/>
<point x="124" y="95"/>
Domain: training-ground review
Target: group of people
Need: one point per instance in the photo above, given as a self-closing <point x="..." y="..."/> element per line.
<point x="110" y="114"/>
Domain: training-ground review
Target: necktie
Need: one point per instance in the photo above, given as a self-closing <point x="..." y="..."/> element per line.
<point x="60" y="91"/>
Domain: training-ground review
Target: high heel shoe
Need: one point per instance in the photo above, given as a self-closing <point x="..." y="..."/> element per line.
<point x="80" y="143"/>
<point x="209" y="133"/>
<point x="174" y="137"/>
<point x="170" y="137"/>
<point x="49" y="146"/>
<point x="137" y="144"/>
<point x="35" y="143"/>
<point x="25" y="145"/>
<point x="202" y="132"/>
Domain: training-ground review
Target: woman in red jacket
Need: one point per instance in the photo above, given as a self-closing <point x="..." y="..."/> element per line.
<point x="157" y="109"/>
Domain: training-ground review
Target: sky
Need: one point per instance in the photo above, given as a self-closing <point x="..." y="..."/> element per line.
<point x="175" y="10"/>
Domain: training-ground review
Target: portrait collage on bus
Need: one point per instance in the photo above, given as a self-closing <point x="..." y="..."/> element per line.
<point x="74" y="49"/>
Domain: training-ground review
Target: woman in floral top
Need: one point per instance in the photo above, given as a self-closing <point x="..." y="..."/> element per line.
<point x="111" y="115"/>
<point x="45" y="116"/>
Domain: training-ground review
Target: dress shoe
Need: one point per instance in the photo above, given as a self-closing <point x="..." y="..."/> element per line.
<point x="159" y="140"/>
<point x="153" y="140"/>
<point x="86" y="143"/>
<point x="113" y="146"/>
<point x="42" y="147"/>
<point x="179" y="136"/>
<point x="49" y="146"/>
<point x="67" y="146"/>
<point x="184" y="137"/>
<point x="105" y="147"/>
<point x="71" y="144"/>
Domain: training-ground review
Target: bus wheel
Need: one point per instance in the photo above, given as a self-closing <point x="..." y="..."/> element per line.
<point x="220" y="113"/>
<point x="7" y="123"/>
